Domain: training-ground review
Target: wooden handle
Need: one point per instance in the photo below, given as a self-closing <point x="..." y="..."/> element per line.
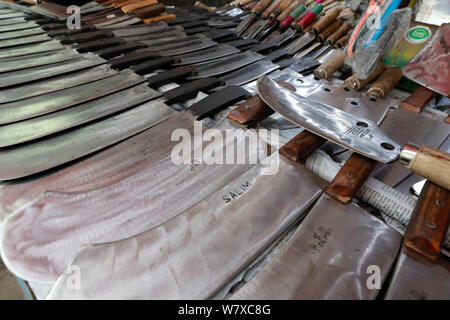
<point x="284" y="5"/>
<point x="261" y="6"/>
<point x="271" y="8"/>
<point x="428" y="162"/>
<point x="330" y="66"/>
<point x="150" y="11"/>
<point x="326" y="20"/>
<point x="136" y="5"/>
<point x="350" y="177"/>
<point x="323" y="36"/>
<point x="342" y="42"/>
<point x="162" y="17"/>
<point x="386" y="82"/>
<point x="244" y="3"/>
<point x="357" y="84"/>
<point x="301" y="145"/>
<point x="204" y="6"/>
<point x="429" y="221"/>
<point x="339" y="33"/>
<point x="251" y="111"/>
<point x="288" y="10"/>
<point x="418" y="100"/>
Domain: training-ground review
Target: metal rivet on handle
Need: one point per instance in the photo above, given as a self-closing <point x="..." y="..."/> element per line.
<point x="431" y="225"/>
<point x="440" y="203"/>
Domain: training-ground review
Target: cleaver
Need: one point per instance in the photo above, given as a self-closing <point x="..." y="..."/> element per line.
<point x="354" y="132"/>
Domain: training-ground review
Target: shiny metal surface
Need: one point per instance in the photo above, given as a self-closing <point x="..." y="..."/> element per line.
<point x="116" y="212"/>
<point x="15" y="22"/>
<point x="27" y="130"/>
<point x="44" y="154"/>
<point x="404" y="127"/>
<point x="195" y="254"/>
<point x="219" y="51"/>
<point x="104" y="168"/>
<point x="178" y="49"/>
<point x="24" y="40"/>
<point x="249" y="73"/>
<point x="327" y="257"/>
<point x="22" y="33"/>
<point x="53" y="84"/>
<point x="231" y="63"/>
<point x="31" y="49"/>
<point x="51" y="102"/>
<point x="38" y="59"/>
<point x="350" y="131"/>
<point x="300" y="43"/>
<point x="22" y="76"/>
<point x="417" y="279"/>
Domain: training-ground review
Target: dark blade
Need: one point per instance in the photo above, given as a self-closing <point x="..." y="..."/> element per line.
<point x="190" y="90"/>
<point x="215" y="52"/>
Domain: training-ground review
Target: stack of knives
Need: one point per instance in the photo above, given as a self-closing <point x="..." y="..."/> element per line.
<point x="87" y="118"/>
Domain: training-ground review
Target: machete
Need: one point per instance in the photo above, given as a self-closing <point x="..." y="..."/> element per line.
<point x="353" y="132"/>
<point x="47" y="46"/>
<point x="219" y="51"/>
<point x="24" y="41"/>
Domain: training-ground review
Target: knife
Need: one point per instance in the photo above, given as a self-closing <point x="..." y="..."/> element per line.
<point x="420" y="272"/>
<point x="254" y="14"/>
<point x="356" y="133"/>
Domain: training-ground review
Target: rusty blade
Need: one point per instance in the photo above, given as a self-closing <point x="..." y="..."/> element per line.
<point x="32" y="129"/>
<point x="35" y="157"/>
<point x="36" y="73"/>
<point x="328" y="256"/>
<point x="51" y="102"/>
<point x="55" y="84"/>
<point x="200" y="251"/>
<point x="47" y="46"/>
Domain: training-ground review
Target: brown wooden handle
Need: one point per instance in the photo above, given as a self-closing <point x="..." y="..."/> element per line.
<point x="162" y="17"/>
<point x="330" y="66"/>
<point x="429" y="221"/>
<point x="136" y="5"/>
<point x="301" y="145"/>
<point x="357" y="84"/>
<point x="244" y="3"/>
<point x="418" y="100"/>
<point x="271" y="8"/>
<point x="150" y="11"/>
<point x="204" y="6"/>
<point x="261" y="6"/>
<point x="326" y="20"/>
<point x="386" y="82"/>
<point x="323" y="36"/>
<point x="250" y="111"/>
<point x="350" y="177"/>
<point x="288" y="10"/>
<point x="342" y="42"/>
<point x="339" y="33"/>
<point x="428" y="162"/>
<point x="284" y="5"/>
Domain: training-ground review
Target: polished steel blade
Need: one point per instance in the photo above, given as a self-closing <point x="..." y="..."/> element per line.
<point x="215" y="52"/>
<point x="32" y="129"/>
<point x="14" y="21"/>
<point x="187" y="47"/>
<point x="225" y="232"/>
<point x="31" y="158"/>
<point x="19" y="34"/>
<point x="416" y="278"/>
<point x="328" y="257"/>
<point x="24" y="41"/>
<point x="249" y="73"/>
<point x="36" y="73"/>
<point x="231" y="63"/>
<point x="37" y="59"/>
<point x="358" y="134"/>
<point x="31" y="49"/>
<point x="53" y="84"/>
<point x="43" y="104"/>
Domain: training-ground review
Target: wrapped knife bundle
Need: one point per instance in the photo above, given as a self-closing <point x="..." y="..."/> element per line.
<point x="258" y="149"/>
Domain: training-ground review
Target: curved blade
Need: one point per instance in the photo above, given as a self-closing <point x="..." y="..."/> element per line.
<point x="356" y="133"/>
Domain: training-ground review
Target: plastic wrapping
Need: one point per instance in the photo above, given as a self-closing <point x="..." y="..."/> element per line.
<point x="374" y="36"/>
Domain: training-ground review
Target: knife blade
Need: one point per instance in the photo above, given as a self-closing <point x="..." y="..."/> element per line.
<point x="24" y="41"/>
<point x="32" y="129"/>
<point x="21" y="33"/>
<point x="307" y="267"/>
<point x="219" y="51"/>
<point x="358" y="134"/>
<point x="36" y="73"/>
<point x="47" y="46"/>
